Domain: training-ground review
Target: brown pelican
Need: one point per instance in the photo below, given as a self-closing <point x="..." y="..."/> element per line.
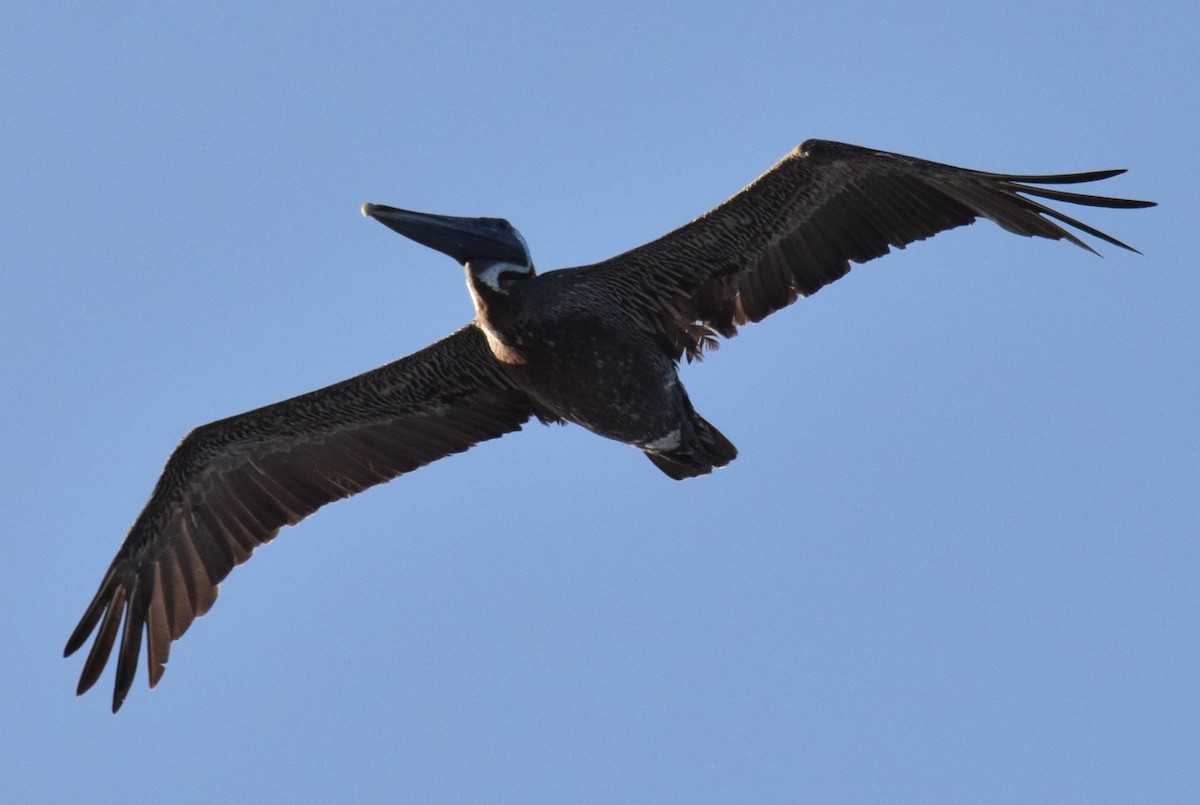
<point x="597" y="345"/>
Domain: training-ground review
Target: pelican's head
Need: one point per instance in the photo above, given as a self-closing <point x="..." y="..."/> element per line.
<point x="491" y="249"/>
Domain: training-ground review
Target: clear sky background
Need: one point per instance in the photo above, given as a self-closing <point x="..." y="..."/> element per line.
<point x="956" y="560"/>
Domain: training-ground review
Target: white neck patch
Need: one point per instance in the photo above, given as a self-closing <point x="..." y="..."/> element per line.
<point x="490" y="276"/>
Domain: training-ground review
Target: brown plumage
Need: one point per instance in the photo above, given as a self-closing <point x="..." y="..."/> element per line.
<point x="595" y="345"/>
<point x="232" y="484"/>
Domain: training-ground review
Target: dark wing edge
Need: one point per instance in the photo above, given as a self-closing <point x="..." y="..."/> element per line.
<point x="232" y="484"/>
<point x="798" y="227"/>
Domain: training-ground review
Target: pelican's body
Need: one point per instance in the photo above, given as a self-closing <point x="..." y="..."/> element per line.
<point x="596" y="345"/>
<point x="583" y="362"/>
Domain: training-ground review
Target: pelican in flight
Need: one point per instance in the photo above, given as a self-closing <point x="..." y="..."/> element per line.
<point x="597" y="345"/>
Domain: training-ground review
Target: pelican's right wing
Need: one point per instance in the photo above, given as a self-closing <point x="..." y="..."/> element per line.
<point x="232" y="484"/>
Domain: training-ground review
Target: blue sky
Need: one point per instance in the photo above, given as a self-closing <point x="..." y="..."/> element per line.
<point x="955" y="561"/>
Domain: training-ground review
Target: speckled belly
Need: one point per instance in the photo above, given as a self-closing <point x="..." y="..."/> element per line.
<point x="615" y="388"/>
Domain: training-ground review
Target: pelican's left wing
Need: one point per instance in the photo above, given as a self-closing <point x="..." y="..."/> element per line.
<point x="232" y="484"/>
<point x="798" y="227"/>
